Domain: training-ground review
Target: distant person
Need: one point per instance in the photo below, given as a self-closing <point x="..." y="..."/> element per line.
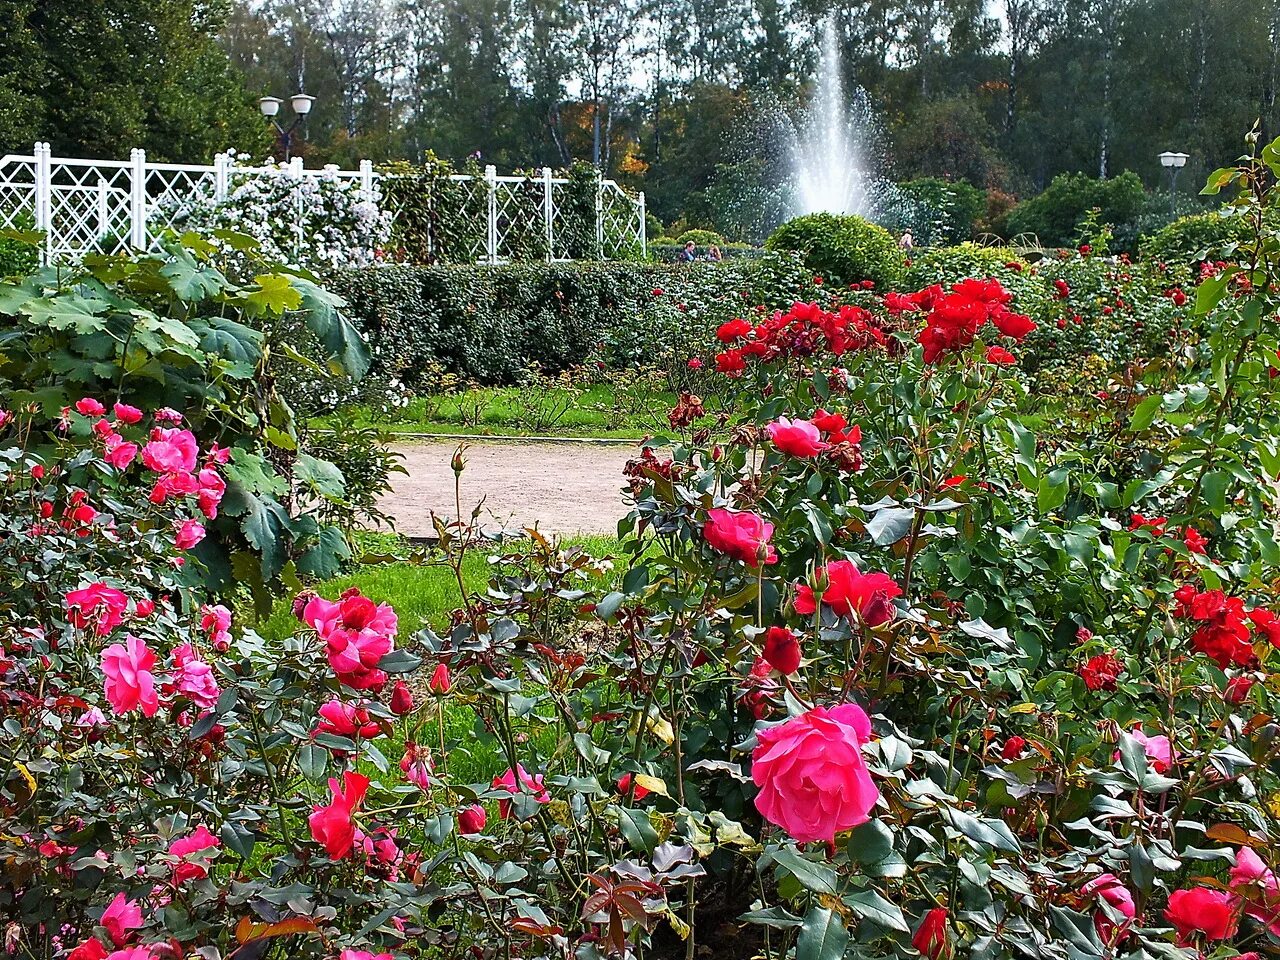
<point x="714" y="254"/>
<point x="905" y="242"/>
<point x="688" y="254"/>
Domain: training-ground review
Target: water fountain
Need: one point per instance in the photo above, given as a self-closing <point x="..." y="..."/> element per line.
<point x="834" y="143"/>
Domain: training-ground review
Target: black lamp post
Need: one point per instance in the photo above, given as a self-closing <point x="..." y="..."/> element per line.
<point x="270" y="107"/>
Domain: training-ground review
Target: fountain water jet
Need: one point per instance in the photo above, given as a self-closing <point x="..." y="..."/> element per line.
<point x="831" y="143"/>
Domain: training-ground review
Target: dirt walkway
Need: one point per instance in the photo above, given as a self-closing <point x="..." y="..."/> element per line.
<point x="564" y="488"/>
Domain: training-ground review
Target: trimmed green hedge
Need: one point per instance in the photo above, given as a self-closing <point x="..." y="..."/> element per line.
<point x="489" y="323"/>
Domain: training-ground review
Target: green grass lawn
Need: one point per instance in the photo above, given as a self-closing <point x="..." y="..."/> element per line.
<point x="599" y="410"/>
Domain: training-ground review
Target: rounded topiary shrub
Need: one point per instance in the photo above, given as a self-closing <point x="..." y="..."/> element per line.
<point x="842" y="249"/>
<point x="1195" y="239"/>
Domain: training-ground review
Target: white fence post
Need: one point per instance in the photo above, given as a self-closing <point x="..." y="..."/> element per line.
<point x="366" y="179"/>
<point x="104" y="211"/>
<point x="138" y="198"/>
<point x="644" y="227"/>
<point x="549" y="213"/>
<point x="599" y="215"/>
<point x="221" y="178"/>
<point x="43" y="211"/>
<point x="491" y="182"/>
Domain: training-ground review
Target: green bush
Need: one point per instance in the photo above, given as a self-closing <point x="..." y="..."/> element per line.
<point x="842" y="249"/>
<point x="948" y="209"/>
<point x="1192" y="240"/>
<point x="489" y="324"/>
<point x="1055" y="215"/>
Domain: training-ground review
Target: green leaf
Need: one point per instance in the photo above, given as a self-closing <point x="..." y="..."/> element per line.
<point x="871" y="906"/>
<point x="189" y="280"/>
<point x="266" y="526"/>
<point x="890" y="524"/>
<point x="312" y="761"/>
<point x="324" y="558"/>
<point x="818" y="877"/>
<point x="986" y="832"/>
<point x="320" y="475"/>
<point x="636" y="829"/>
<point x="66" y="312"/>
<point x="399" y="661"/>
<point x="822" y="936"/>
<point x="228" y="339"/>
<point x="1145" y="413"/>
<point x="348" y="350"/>
<point x="274" y="294"/>
<point x="1053" y="490"/>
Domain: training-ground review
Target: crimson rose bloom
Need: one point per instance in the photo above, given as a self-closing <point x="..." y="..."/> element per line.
<point x="733" y="330"/>
<point x="812" y="778"/>
<point x="1204" y="911"/>
<point x="96" y="605"/>
<point x="931" y="937"/>
<point x="849" y="591"/>
<point x="1107" y="887"/>
<point x="797" y="438"/>
<point x="334" y="826"/>
<point x="1101" y="672"/>
<point x="782" y="650"/>
<point x="740" y="534"/>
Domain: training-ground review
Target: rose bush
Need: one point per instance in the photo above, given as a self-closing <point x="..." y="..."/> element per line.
<point x="923" y="678"/>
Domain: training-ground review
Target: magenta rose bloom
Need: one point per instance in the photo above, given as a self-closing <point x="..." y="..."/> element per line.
<point x="741" y="534"/>
<point x="813" y="780"/>
<point x="797" y="438"/>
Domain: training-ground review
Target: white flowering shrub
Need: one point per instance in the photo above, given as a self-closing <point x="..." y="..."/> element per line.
<point x="319" y="221"/>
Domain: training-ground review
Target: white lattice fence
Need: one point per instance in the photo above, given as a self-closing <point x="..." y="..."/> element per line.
<point x="105" y="206"/>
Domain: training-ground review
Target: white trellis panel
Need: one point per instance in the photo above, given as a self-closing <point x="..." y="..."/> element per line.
<point x="107" y="206"/>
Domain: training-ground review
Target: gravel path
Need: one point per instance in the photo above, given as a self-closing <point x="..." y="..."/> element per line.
<point x="562" y="487"/>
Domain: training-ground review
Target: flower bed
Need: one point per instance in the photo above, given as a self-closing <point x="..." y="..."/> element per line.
<point x="894" y="669"/>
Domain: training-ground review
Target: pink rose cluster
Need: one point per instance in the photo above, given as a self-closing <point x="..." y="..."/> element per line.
<point x="131" y="678"/>
<point x="357" y="634"/>
<point x="170" y="451"/>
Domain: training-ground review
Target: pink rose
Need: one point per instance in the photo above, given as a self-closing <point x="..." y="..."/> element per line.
<point x="90" y="407"/>
<point x="212" y="488"/>
<point x="357" y="634"/>
<point x="199" y="841"/>
<point x="1108" y="888"/>
<point x="440" y="683"/>
<point x="416" y="766"/>
<point x="120" y="453"/>
<point x="129" y="682"/>
<point x="193" y="678"/>
<point x="528" y="783"/>
<point x="120" y="919"/>
<point x="363" y="955"/>
<point x="813" y="780"/>
<point x="127" y="414"/>
<point x="1256" y="883"/>
<point x="171" y="451"/>
<point x="797" y="438"/>
<point x="333" y="826"/>
<point x="190" y="533"/>
<point x="1159" y="751"/>
<point x="96" y="604"/>
<point x="740" y="534"/>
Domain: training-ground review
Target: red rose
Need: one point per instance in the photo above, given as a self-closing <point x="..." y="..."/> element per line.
<point x="735" y="329"/>
<point x="1101" y="672"/>
<point x="849" y="590"/>
<point x="931" y="937"/>
<point x="625" y="788"/>
<point x="1201" y="910"/>
<point x="1013" y="748"/>
<point x="1000" y="356"/>
<point x="782" y="650"/>
<point x="401" y="699"/>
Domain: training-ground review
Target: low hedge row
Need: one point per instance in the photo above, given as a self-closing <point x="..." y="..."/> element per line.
<point x="488" y="324"/>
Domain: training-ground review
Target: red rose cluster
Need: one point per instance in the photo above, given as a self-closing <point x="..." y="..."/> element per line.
<point x="1223" y="634"/>
<point x="802" y="331"/>
<point x="954" y="317"/>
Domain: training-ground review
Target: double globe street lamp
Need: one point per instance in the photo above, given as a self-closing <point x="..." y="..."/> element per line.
<point x="270" y="107"/>
<point x="1173" y="162"/>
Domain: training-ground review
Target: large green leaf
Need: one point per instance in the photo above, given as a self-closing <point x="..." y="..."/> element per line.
<point x="228" y="339"/>
<point x="189" y="280"/>
<point x="67" y="311"/>
<point x="322" y="311"/>
<point x="822" y="936"/>
<point x="324" y="558"/>
<point x="266" y="526"/>
<point x="320" y="475"/>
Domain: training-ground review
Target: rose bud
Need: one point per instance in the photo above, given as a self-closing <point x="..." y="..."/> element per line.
<point x="401" y="699"/>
